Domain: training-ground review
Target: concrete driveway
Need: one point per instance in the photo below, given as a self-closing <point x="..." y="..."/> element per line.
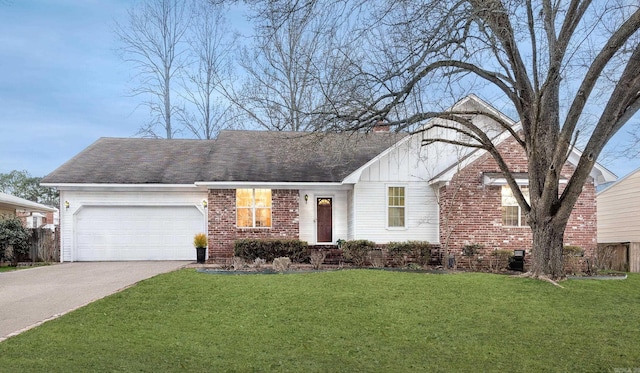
<point x="29" y="297"/>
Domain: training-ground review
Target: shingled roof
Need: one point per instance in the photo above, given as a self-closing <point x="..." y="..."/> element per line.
<point x="134" y="161"/>
<point x="236" y="156"/>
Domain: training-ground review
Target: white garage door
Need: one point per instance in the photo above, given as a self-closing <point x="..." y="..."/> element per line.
<point x="137" y="232"/>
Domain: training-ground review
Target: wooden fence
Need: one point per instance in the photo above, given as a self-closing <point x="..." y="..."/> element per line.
<point x="613" y="256"/>
<point x="634" y="257"/>
<point x="45" y="245"/>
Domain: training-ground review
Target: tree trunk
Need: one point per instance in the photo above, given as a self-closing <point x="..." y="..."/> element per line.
<point x="547" y="250"/>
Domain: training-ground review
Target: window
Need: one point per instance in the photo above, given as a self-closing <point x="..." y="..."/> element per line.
<point x="511" y="212"/>
<point x="395" y="207"/>
<point x="253" y="208"/>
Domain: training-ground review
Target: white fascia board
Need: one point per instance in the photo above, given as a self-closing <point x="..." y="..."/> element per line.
<point x="446" y="177"/>
<point x="487" y="107"/>
<point x="270" y="185"/>
<point x="124" y="187"/>
<point x="18" y="203"/>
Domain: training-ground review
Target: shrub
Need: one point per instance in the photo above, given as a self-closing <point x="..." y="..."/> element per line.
<point x="421" y="251"/>
<point x="570" y="250"/>
<point x="258" y="262"/>
<point x="471" y="252"/>
<point x="400" y="253"/>
<point x="237" y="263"/>
<point x="249" y="249"/>
<point x="377" y="258"/>
<point x="357" y="251"/>
<point x="14" y="239"/>
<point x="200" y="240"/>
<point x="281" y="264"/>
<point x="500" y="258"/>
<point x="571" y="255"/>
<point x="317" y="258"/>
<point x="403" y="253"/>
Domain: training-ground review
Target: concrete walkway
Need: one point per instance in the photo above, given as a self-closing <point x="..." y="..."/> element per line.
<point x="29" y="297"/>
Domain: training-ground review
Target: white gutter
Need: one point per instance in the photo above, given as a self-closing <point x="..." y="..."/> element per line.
<point x="124" y="187"/>
<point x="94" y="185"/>
<point x="267" y="185"/>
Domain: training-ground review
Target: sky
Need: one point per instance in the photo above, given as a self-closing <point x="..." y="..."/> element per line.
<point x="63" y="85"/>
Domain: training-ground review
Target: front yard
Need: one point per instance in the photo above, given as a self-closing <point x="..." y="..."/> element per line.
<point x="350" y="320"/>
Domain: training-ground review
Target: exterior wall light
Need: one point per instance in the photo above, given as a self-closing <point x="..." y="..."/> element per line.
<point x="204" y="203"/>
<point x="66" y="204"/>
<point x="306" y="198"/>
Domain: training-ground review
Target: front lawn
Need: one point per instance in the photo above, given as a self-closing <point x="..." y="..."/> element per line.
<point x="351" y="320"/>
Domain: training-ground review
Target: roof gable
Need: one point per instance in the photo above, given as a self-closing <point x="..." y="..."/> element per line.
<point x="599" y="173"/>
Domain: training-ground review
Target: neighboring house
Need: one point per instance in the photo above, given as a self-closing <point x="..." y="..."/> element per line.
<point x="28" y="210"/>
<point x="618" y="218"/>
<point x="142" y="199"/>
<point x="49" y="220"/>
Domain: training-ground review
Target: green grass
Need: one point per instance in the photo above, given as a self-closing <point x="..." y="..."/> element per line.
<point x="352" y="320"/>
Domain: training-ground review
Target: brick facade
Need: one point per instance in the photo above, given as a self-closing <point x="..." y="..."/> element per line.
<point x="222" y="221"/>
<point x="471" y="212"/>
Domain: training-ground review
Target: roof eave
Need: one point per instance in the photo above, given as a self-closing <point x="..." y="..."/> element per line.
<point x="271" y="185"/>
<point x="93" y="186"/>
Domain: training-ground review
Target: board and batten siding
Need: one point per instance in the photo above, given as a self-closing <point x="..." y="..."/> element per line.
<point x="79" y="199"/>
<point x="407" y="165"/>
<point x="619" y="211"/>
<point x="308" y="214"/>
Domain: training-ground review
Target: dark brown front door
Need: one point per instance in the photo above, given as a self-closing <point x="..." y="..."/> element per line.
<point x="324" y="222"/>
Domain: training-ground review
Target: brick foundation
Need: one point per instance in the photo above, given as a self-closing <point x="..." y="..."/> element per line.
<point x="222" y="221"/>
<point x="471" y="212"/>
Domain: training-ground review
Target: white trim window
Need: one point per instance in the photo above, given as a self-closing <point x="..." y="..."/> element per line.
<point x="253" y="208"/>
<point x="512" y="215"/>
<point x="396" y="211"/>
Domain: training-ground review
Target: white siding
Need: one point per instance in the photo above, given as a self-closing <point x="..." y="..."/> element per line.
<point x="421" y="213"/>
<point x="619" y="211"/>
<point x="79" y="199"/>
<point x="351" y="215"/>
<point x="412" y="165"/>
<point x="308" y="214"/>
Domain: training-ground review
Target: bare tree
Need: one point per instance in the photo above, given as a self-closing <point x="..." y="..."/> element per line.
<point x="540" y="55"/>
<point x="291" y="68"/>
<point x="152" y="41"/>
<point x="209" y="48"/>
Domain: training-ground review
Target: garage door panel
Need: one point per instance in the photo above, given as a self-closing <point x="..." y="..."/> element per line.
<point x="137" y="232"/>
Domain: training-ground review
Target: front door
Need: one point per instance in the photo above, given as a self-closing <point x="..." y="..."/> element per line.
<point x="324" y="221"/>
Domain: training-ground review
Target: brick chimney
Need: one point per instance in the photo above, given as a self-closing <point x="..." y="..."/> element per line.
<point x="381" y="128"/>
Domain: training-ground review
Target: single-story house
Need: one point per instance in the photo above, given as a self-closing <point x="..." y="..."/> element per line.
<point x="15" y="206"/>
<point x="618" y="218"/>
<point x="144" y="199"/>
